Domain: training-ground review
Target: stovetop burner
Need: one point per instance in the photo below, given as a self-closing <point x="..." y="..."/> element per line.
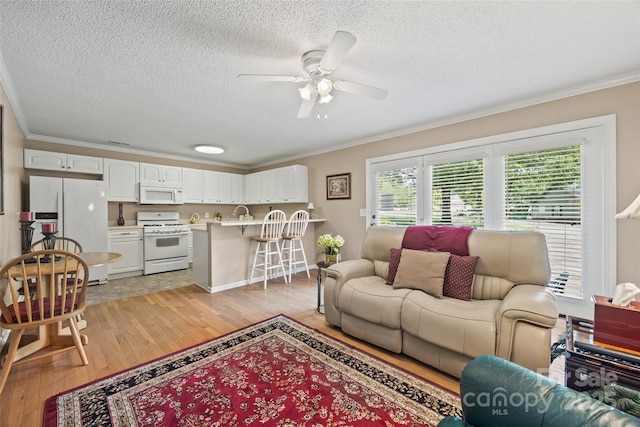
<point x="158" y="219"/>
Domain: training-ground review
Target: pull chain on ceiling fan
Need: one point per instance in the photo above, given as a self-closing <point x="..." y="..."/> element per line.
<point x="317" y="66"/>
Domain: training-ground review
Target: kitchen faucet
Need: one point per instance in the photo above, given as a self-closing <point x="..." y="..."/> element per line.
<point x="235" y="211"/>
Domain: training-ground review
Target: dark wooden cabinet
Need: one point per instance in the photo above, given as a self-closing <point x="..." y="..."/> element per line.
<point x="590" y="365"/>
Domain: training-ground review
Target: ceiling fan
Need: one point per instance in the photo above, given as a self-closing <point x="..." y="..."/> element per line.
<point x="317" y="66"/>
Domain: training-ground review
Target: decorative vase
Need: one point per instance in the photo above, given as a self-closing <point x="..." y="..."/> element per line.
<point x="120" y="217"/>
<point x="330" y="258"/>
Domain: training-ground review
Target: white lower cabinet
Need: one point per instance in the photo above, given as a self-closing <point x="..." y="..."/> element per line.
<point x="129" y="244"/>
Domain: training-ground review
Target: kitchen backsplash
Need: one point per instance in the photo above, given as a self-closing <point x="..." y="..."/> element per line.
<point x="129" y="210"/>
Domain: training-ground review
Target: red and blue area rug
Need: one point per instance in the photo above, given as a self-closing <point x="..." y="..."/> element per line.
<point x="274" y="373"/>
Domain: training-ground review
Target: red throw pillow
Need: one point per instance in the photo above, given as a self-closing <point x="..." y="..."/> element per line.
<point x="458" y="277"/>
<point x="394" y="262"/>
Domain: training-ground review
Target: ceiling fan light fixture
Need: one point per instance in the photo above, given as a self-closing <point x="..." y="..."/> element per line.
<point x="306" y="91"/>
<point x="209" y="149"/>
<point x="324" y="99"/>
<point x="324" y="87"/>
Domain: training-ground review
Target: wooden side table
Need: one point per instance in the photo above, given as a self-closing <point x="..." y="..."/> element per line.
<point x="590" y="364"/>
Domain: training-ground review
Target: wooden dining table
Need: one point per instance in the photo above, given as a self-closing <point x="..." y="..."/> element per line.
<point x="56" y="334"/>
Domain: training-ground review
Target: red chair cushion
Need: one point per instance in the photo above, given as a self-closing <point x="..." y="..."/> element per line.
<point x="35" y="309"/>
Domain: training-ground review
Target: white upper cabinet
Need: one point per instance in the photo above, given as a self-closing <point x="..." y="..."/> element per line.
<point x="212" y="187"/>
<point x="122" y="178"/>
<point x="193" y="188"/>
<point x="49" y="160"/>
<point x="237" y="188"/>
<point x="260" y="187"/>
<point x="292" y="184"/>
<point x="252" y="189"/>
<point x="223" y="187"/>
<point x="268" y="190"/>
<point x="288" y="184"/>
<point x="160" y="175"/>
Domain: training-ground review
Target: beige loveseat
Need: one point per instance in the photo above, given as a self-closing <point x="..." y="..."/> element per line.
<point x="510" y="314"/>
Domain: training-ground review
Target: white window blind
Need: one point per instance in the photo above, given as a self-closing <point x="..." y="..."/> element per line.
<point x="529" y="180"/>
<point x="395" y="188"/>
<point x="457" y="193"/>
<point x="396" y="197"/>
<point x="543" y="192"/>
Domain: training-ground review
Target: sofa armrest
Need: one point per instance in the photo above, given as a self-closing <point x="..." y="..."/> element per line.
<point x="524" y="321"/>
<point x="451" y="421"/>
<point x="337" y="275"/>
<point x="531" y="303"/>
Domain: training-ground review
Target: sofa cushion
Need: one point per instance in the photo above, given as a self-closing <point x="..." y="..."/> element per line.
<point x="458" y="277"/>
<point x="422" y="270"/>
<point x="465" y="327"/>
<point x="369" y="298"/>
<point x="394" y="262"/>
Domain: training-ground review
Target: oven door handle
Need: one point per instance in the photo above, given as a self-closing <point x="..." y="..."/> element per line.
<point x="181" y="233"/>
<point x="169" y="234"/>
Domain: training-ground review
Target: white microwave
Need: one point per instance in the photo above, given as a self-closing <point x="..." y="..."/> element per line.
<point x="160" y="196"/>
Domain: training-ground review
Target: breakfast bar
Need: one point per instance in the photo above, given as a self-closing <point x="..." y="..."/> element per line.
<point x="223" y="252"/>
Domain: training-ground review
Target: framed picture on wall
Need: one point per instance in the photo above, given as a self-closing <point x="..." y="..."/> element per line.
<point x="339" y="186"/>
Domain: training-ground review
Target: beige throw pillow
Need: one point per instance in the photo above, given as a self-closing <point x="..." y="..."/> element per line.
<point x="422" y="270"/>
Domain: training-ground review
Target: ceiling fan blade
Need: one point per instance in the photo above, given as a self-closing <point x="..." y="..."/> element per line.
<point x="360" y="89"/>
<point x="340" y="45"/>
<point x="271" y="78"/>
<point x="307" y="106"/>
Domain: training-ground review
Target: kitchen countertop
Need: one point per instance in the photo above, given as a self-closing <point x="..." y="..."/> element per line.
<point x="238" y="223"/>
<point x="202" y="225"/>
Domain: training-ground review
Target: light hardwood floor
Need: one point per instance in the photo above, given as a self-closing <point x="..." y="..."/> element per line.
<point x="130" y="331"/>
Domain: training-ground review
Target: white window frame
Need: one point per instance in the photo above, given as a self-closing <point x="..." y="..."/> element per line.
<point x="401" y="163"/>
<point x="599" y="134"/>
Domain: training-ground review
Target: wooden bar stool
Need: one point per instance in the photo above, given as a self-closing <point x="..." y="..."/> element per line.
<point x="268" y="246"/>
<point x="292" y="241"/>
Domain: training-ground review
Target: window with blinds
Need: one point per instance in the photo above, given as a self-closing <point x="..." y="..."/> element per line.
<point x="543" y="192"/>
<point x="395" y="197"/>
<point x="524" y="181"/>
<point x="457" y="193"/>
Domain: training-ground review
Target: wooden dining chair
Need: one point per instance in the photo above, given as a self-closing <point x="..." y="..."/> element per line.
<point x="63" y="243"/>
<point x="52" y="302"/>
<point x="268" y="246"/>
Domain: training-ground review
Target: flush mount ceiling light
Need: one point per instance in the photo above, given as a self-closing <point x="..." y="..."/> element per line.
<point x="209" y="149"/>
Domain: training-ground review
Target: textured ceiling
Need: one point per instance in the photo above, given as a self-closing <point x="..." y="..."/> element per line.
<point x="161" y="75"/>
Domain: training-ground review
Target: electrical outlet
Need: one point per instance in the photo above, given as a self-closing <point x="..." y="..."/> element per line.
<point x="206" y="214"/>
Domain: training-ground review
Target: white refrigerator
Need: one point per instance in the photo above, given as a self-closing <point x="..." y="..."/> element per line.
<point x="79" y="206"/>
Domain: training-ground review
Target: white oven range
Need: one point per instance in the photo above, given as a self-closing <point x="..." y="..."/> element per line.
<point x="166" y="242"/>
